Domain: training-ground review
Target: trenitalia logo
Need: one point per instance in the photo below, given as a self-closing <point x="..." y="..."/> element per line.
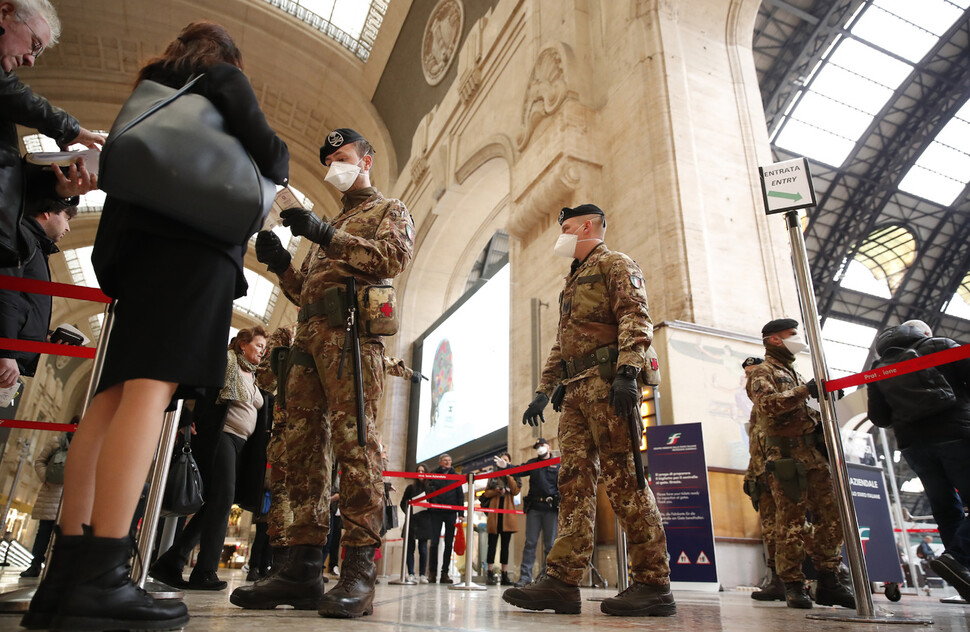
<point x="673" y="439"/>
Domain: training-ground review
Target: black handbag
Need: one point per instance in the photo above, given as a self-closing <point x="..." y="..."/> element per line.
<point x="169" y="151"/>
<point x="183" y="490"/>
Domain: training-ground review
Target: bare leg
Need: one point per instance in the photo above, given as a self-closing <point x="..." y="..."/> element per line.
<point x="121" y="440"/>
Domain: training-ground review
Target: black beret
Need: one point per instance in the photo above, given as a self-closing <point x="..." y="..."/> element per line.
<point x="779" y="324"/>
<point x="337" y="139"/>
<point x="539" y="442"/>
<point x="752" y="361"/>
<point x="582" y="209"/>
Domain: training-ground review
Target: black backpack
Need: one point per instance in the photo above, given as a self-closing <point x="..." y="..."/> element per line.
<point x="917" y="395"/>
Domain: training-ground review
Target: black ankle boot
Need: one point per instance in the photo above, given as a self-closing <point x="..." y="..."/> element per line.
<point x="168" y="569"/>
<point x="490" y="578"/>
<point x="60" y="575"/>
<point x="33" y="570"/>
<point x="205" y="580"/>
<point x="506" y="580"/>
<point x="353" y="596"/>
<point x="773" y="591"/>
<point x="796" y="595"/>
<point x="297" y="583"/>
<point x="830" y="591"/>
<point x="103" y="596"/>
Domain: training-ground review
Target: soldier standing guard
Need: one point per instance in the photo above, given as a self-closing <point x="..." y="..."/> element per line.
<point x="797" y="471"/>
<point x="601" y="345"/>
<point x="371" y="240"/>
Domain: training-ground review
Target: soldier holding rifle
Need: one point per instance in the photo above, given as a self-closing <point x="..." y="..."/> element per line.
<point x="592" y="375"/>
<point x="335" y="379"/>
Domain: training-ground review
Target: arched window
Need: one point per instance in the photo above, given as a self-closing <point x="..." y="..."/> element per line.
<point x="959" y="304"/>
<point x="352" y="23"/>
<point x="880" y="262"/>
<point x="493" y="257"/>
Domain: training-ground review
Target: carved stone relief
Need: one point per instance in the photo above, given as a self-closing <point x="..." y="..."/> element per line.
<point x="441" y="36"/>
<point x="545" y="94"/>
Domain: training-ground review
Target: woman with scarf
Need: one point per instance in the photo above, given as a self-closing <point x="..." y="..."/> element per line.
<point x="225" y="425"/>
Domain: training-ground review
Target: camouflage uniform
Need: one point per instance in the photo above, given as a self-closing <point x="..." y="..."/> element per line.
<point x="756" y="474"/>
<point x="779" y="395"/>
<point x="374" y="243"/>
<point x="397" y="368"/>
<point x="279" y="515"/>
<point x="604" y="304"/>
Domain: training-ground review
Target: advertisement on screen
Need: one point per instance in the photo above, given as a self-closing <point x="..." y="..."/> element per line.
<point x="466" y="358"/>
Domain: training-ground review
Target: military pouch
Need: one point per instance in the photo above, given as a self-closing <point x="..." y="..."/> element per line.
<point x="607" y="362"/>
<point x="650" y="373"/>
<point x="752" y="490"/>
<point x="335" y="306"/>
<point x="378" y="310"/>
<point x="278" y="364"/>
<point x="791" y="475"/>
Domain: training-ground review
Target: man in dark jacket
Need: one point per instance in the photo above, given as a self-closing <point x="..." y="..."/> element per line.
<point x="929" y="412"/>
<point x="446" y="517"/>
<point x="23" y="315"/>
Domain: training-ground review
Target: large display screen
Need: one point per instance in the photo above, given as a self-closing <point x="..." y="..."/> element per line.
<point x="466" y="356"/>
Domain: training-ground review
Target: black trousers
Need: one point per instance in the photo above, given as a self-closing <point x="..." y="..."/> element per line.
<point x="45" y="529"/>
<point x="436" y="520"/>
<point x="493" y="541"/>
<point x="208" y="526"/>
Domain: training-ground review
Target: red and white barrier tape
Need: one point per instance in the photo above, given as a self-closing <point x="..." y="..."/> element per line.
<point x="50" y="348"/>
<point x="37" y="425"/>
<point x="49" y="288"/>
<point x="900" y="368"/>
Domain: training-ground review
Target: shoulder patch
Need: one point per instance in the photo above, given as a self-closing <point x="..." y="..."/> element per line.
<point x="409" y="230"/>
<point x="636" y="281"/>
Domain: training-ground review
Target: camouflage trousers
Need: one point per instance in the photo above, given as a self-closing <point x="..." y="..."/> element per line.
<point x="592" y="438"/>
<point x="766" y="512"/>
<point x="321" y="415"/>
<point x="791" y="529"/>
<point x="279" y="516"/>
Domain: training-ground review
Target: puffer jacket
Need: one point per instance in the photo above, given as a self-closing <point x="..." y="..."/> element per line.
<point x="20" y="106"/>
<point x="49" y="496"/>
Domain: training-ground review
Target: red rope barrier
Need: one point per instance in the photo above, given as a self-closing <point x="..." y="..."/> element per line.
<point x="522" y="468"/>
<point x="37" y="425"/>
<point x="49" y="288"/>
<point x="421" y="503"/>
<point x="900" y="368"/>
<point x="50" y="348"/>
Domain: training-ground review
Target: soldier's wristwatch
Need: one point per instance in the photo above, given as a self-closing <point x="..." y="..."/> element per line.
<point x="628" y="371"/>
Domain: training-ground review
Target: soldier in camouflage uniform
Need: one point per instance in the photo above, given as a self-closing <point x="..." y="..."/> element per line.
<point x="757" y="488"/>
<point x="397" y="368"/>
<point x="372" y="240"/>
<point x="604" y="332"/>
<point x="798" y="472"/>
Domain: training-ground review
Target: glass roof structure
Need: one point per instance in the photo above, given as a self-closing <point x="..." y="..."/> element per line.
<point x="352" y="23"/>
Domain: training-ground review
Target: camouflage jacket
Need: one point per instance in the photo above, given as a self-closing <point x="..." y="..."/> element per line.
<point x="604" y="303"/>
<point x="265" y="378"/>
<point x="756" y="448"/>
<point x="780" y="400"/>
<point x="397" y="368"/>
<point x="374" y="242"/>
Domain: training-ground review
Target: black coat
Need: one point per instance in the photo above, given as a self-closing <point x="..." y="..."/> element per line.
<point x="122" y="223"/>
<point x="453" y="497"/>
<point x="24" y="315"/>
<point x="421" y="527"/>
<point x="210" y="419"/>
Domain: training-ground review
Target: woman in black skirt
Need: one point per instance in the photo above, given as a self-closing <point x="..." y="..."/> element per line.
<point x="174" y="289"/>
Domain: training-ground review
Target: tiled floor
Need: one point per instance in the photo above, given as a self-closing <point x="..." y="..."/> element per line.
<point x="435" y="607"/>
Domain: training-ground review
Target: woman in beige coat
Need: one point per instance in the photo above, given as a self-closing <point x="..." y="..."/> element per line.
<point x="500" y="493"/>
<point x="47" y="503"/>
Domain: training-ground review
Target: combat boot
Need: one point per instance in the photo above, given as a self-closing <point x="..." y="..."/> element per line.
<point x="353" y="596"/>
<point x="57" y="582"/>
<point x="832" y="592"/>
<point x="774" y="590"/>
<point x="641" y="600"/>
<point x="546" y="593"/>
<point x="796" y="595"/>
<point x="103" y="596"/>
<point x="298" y="583"/>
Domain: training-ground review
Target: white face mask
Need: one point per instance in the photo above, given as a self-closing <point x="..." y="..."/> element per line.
<point x="795" y="343"/>
<point x="566" y="245"/>
<point x="342" y="175"/>
<point x="543" y="450"/>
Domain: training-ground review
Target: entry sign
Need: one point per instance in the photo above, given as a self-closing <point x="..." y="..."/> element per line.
<point x="787" y="186"/>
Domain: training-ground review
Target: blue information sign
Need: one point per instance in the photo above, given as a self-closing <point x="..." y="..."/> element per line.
<point x="875" y="526"/>
<point x="678" y="478"/>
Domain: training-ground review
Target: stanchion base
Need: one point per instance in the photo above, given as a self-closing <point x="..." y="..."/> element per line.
<point x="401" y="582"/>
<point x="954" y="600"/>
<point x="468" y="586"/>
<point x="17" y="600"/>
<point x="857" y="618"/>
<point x="158" y="590"/>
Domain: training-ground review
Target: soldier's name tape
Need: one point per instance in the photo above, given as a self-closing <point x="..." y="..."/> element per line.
<point x="900" y="368"/>
<point x="37" y="425"/>
<point x="49" y="288"/>
<point x="50" y="348"/>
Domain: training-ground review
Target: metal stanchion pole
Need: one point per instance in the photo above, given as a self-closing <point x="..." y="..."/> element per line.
<point x="153" y="508"/>
<point x="24" y="455"/>
<point x="405" y="532"/>
<point x="622" y="566"/>
<point x="833" y="438"/>
<point x="468" y="584"/>
<point x="897" y="507"/>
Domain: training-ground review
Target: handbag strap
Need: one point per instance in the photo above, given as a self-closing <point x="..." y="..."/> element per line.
<point x="160" y="104"/>
<point x="187" y="436"/>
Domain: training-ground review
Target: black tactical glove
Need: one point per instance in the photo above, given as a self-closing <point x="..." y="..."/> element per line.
<point x="270" y="250"/>
<point x="533" y="414"/>
<point x="417" y="377"/>
<point x="557" y="396"/>
<point x="812" y="388"/>
<point x="304" y="223"/>
<point x="625" y="392"/>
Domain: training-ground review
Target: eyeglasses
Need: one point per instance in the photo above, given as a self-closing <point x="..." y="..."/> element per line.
<point x="36" y="46"/>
